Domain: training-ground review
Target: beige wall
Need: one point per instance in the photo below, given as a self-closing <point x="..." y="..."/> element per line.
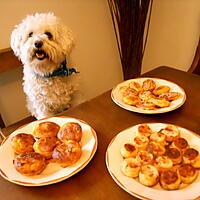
<point x="95" y="54"/>
<point x="173" y="36"/>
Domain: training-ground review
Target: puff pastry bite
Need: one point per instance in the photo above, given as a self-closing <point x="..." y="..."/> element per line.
<point x="149" y="85"/>
<point x="141" y="142"/>
<point x="174" y="154"/>
<point x="135" y="85"/>
<point x="131" y="100"/>
<point x="127" y="91"/>
<point x="146" y="105"/>
<point x="30" y="164"/>
<point x="171" y="132"/>
<point x="46" y="129"/>
<point x="67" y="153"/>
<point x="187" y="173"/>
<point x="161" y="103"/>
<point x="148" y="175"/>
<point x="131" y="167"/>
<point x="191" y="156"/>
<point x="144" y="130"/>
<point x="22" y="143"/>
<point x="158" y="137"/>
<point x="163" y="163"/>
<point x="70" y="131"/>
<point x="45" y="146"/>
<point x="160" y="90"/>
<point x="180" y="143"/>
<point x="128" y="150"/>
<point x="170" y="96"/>
<point x="144" y="157"/>
<point x="155" y="148"/>
<point x="170" y="179"/>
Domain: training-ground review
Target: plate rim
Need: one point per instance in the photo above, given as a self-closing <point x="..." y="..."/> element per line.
<point x="149" y="112"/>
<point x="114" y="177"/>
<point x="94" y="149"/>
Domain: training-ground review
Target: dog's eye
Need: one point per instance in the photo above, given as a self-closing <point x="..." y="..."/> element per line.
<point x="49" y="35"/>
<point x="30" y="34"/>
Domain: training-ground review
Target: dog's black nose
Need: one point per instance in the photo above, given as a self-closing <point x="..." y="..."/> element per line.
<point x="38" y="44"/>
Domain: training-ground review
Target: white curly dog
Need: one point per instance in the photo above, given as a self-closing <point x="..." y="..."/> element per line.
<point x="43" y="43"/>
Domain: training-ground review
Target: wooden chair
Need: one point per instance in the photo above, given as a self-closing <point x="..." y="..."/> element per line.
<point x="195" y="67"/>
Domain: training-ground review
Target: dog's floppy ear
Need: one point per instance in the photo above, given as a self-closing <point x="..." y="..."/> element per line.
<point x="16" y="38"/>
<point x="66" y="38"/>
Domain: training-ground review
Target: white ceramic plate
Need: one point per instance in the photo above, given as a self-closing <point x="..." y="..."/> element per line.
<point x="53" y="173"/>
<point x="117" y="96"/>
<point x="132" y="186"/>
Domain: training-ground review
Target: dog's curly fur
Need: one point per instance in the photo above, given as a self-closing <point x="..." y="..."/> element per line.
<point x="42" y="42"/>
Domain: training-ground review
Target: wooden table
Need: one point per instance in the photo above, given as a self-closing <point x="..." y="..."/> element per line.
<point x="108" y="119"/>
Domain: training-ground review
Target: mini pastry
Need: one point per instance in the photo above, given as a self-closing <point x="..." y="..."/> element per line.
<point x="191" y="156"/>
<point x="149" y="85"/>
<point x="163" y="163"/>
<point x="161" y="103"/>
<point x="127" y="91"/>
<point x="46" y="129"/>
<point x="174" y="154"/>
<point x="148" y="175"/>
<point x="131" y="100"/>
<point x="144" y="130"/>
<point x="135" y="85"/>
<point x="30" y="164"/>
<point x="23" y="143"/>
<point x="187" y="173"/>
<point x="146" y="95"/>
<point x="146" y="105"/>
<point x="171" y="132"/>
<point x="45" y="146"/>
<point x="67" y="153"/>
<point x="70" y="131"/>
<point x="161" y="89"/>
<point x="144" y="157"/>
<point x="170" y="180"/>
<point x="170" y="96"/>
<point x="158" y="137"/>
<point x="141" y="142"/>
<point x="180" y="143"/>
<point x="130" y="167"/>
<point x="155" y="148"/>
<point x="128" y="150"/>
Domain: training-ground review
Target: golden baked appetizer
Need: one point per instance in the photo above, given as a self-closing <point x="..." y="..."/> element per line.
<point x="144" y="130"/>
<point x="174" y="154"/>
<point x="46" y="129"/>
<point x="158" y="137"/>
<point x="161" y="103"/>
<point x="128" y="91"/>
<point x="128" y="150"/>
<point x="144" y="157"/>
<point x="131" y="167"/>
<point x="70" y="131"/>
<point x="160" y="90"/>
<point x="141" y="142"/>
<point x="170" y="180"/>
<point x="163" y="163"/>
<point x="45" y="146"/>
<point x="180" y="143"/>
<point x="155" y="148"/>
<point x="191" y="156"/>
<point x="67" y="153"/>
<point x="30" y="164"/>
<point x="23" y="143"/>
<point x="146" y="105"/>
<point x="135" y="85"/>
<point x="148" y="175"/>
<point x="187" y="173"/>
<point x="171" y="132"/>
<point x="149" y="85"/>
<point x="145" y="96"/>
<point x="131" y="100"/>
<point x="170" y="96"/>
